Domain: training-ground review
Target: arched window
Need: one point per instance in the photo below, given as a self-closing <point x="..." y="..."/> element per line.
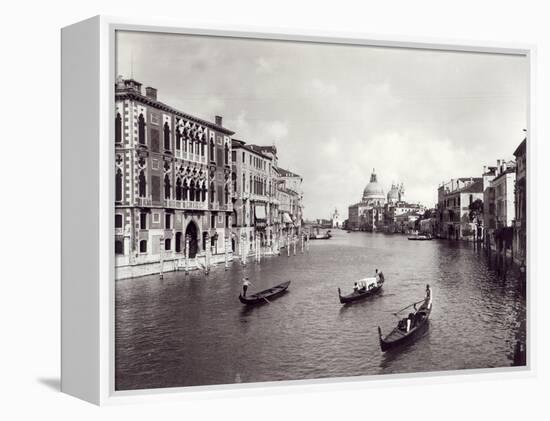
<point x="192" y="190"/>
<point x="119" y="247"/>
<point x="226" y="193"/>
<point x="142" y="184"/>
<point x="178" y="189"/>
<point x="118" y="186"/>
<point x="168" y="244"/>
<point x="226" y="154"/>
<point x="234" y="181"/>
<point x="118" y="128"/>
<point x="212" y="150"/>
<point x="198" y="192"/>
<point x="212" y="192"/>
<point x="178" y="140"/>
<point x="167" y="187"/>
<point x="185" y="190"/>
<point x="166" y="136"/>
<point x="203" y="191"/>
<point x="143" y="246"/>
<point x="141" y="129"/>
<point x="203" y="145"/>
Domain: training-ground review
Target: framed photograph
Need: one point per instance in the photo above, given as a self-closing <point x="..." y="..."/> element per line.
<point x="243" y="209"/>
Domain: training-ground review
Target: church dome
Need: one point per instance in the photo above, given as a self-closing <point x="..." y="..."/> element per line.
<point x="373" y="189"/>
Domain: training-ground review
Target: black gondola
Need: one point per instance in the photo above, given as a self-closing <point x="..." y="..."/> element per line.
<point x="420" y="237"/>
<point x="362" y="293"/>
<point x="262" y="296"/>
<point x="399" y="335"/>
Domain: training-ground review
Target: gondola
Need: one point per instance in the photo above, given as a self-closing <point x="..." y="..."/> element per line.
<point x="262" y="296"/>
<point x="399" y="335"/>
<point x="363" y="293"/>
<point x="420" y="237"/>
<point x="326" y="236"/>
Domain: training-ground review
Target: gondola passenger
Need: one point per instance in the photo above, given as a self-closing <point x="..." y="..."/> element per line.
<point x="410" y="321"/>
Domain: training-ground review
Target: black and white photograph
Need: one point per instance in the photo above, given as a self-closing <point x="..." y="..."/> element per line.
<point x="288" y="210"/>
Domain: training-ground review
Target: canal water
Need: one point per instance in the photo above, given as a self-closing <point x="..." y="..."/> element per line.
<point x="192" y="330"/>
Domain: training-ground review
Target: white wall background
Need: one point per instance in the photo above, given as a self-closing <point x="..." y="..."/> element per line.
<point x="30" y="286"/>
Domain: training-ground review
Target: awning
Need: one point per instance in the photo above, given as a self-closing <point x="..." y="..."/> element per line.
<point x="260" y="212"/>
<point x="286" y="218"/>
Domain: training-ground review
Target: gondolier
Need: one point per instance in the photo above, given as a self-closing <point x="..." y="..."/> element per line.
<point x="428" y="300"/>
<point x="246" y="284"/>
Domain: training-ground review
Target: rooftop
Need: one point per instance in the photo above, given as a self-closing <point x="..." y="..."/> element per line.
<point x="520" y="150"/>
<point x="287" y="173"/>
<point x="237" y="143"/>
<point x="127" y="91"/>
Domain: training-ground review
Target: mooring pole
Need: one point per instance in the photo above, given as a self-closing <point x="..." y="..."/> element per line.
<point x="226" y="254"/>
<point x="207" y="253"/>
<point x="161" y="275"/>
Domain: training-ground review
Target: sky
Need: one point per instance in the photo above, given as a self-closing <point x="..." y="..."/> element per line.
<point x="336" y="112"/>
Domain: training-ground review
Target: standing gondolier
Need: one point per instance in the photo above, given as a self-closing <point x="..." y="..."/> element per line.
<point x="428" y="300"/>
<point x="246" y="284"/>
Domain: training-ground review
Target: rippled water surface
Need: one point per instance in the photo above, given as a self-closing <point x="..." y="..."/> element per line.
<point x="192" y="330"/>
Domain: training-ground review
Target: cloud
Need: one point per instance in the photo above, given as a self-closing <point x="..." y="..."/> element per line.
<point x="276" y="130"/>
<point x="336" y="112"/>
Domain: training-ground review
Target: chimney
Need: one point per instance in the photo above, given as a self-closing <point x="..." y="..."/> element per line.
<point x="151" y="93"/>
<point x="219" y="120"/>
<point x="484" y="169"/>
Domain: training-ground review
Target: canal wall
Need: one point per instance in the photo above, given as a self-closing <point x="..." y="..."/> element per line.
<point x="172" y="264"/>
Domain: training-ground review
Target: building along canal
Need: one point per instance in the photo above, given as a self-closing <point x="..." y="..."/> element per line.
<point x="186" y="330"/>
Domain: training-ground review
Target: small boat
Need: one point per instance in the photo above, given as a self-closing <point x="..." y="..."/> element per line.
<point x="327" y="235"/>
<point x="420" y="237"/>
<point x="371" y="288"/>
<point x="400" y="335"/>
<point x="262" y="296"/>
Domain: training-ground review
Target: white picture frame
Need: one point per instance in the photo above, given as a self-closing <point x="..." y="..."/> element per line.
<point x="88" y="70"/>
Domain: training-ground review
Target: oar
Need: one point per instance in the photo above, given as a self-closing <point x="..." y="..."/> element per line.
<point x="404" y="308"/>
<point x="269" y="302"/>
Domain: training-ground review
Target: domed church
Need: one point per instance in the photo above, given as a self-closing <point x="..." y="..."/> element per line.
<point x="368" y="214"/>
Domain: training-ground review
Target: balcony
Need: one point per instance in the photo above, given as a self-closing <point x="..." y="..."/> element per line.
<point x="226" y="207"/>
<point x="144" y="201"/>
<point x="185" y="204"/>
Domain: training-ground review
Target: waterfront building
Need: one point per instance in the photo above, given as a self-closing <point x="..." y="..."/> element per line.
<point x="453" y="207"/>
<point x="253" y="198"/>
<point x="392" y="212"/>
<point x="289" y="192"/>
<point x="499" y="203"/>
<point x="171" y="193"/>
<point x="520" y="221"/>
<point x="407" y="222"/>
<point x="428" y="223"/>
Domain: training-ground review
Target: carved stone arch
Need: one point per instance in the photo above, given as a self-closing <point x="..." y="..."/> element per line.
<point x="192" y="233"/>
